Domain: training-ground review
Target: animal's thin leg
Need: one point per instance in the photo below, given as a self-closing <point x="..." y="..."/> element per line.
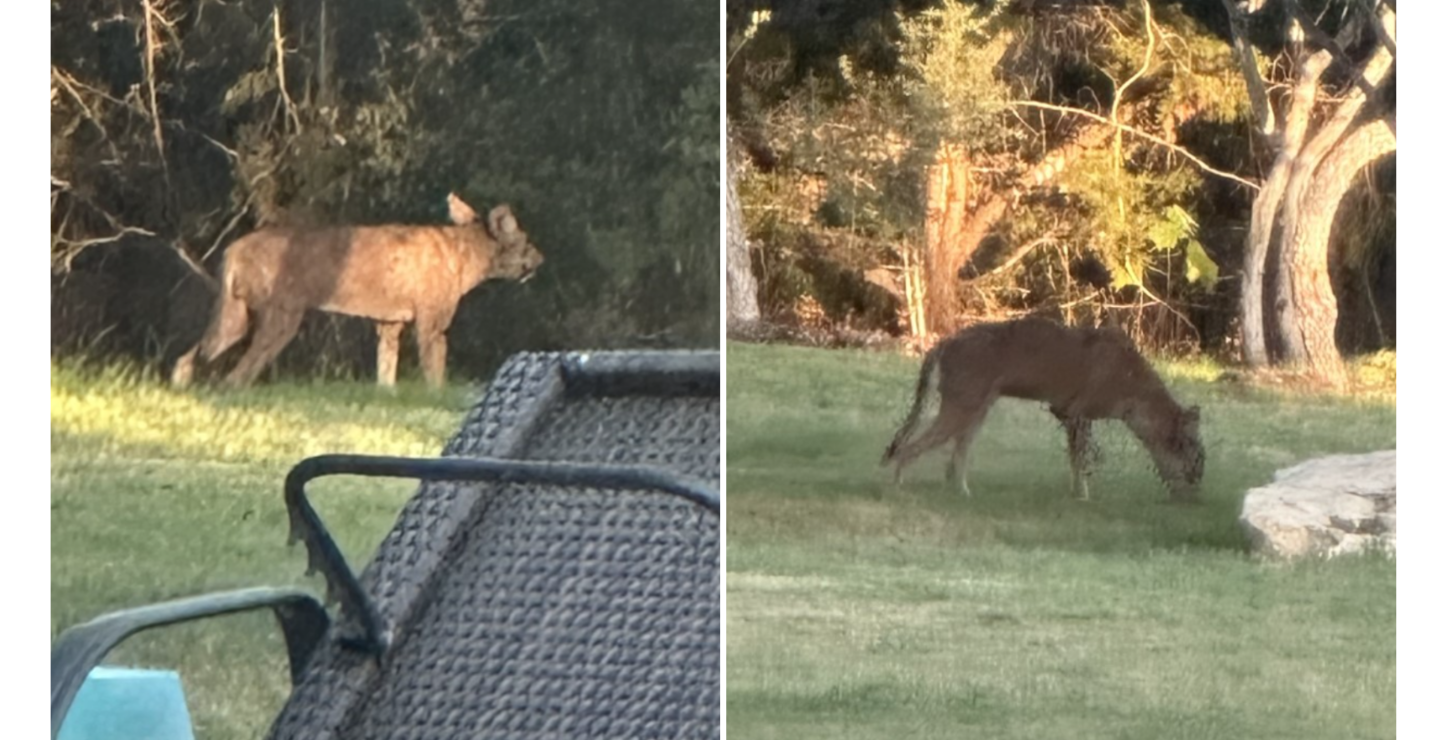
<point x="1081" y="449"/>
<point x="433" y="357"/>
<point x="274" y="329"/>
<point x="229" y="325"/>
<point x="184" y="370"/>
<point x="940" y="430"/>
<point x="955" y="420"/>
<point x="430" y="334"/>
<point x="387" y="351"/>
<point x="959" y="464"/>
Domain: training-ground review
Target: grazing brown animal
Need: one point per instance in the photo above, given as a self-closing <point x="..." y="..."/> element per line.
<point x="1084" y="374"/>
<point x="393" y="274"/>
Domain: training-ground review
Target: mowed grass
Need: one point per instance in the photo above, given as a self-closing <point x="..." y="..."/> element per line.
<point x="855" y="609"/>
<point x="157" y="494"/>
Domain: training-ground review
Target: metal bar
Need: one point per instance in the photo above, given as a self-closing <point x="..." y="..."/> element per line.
<point x="642" y="373"/>
<point x="79" y="649"/>
<point x="341" y="582"/>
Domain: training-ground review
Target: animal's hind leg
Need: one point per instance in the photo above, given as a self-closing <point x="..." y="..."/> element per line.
<point x="184" y="370"/>
<point x="940" y="430"/>
<point x="959" y="463"/>
<point x="230" y="324"/>
<point x="956" y="421"/>
<point x="1082" y="451"/>
<point x="274" y="329"/>
<point x="430" y="334"/>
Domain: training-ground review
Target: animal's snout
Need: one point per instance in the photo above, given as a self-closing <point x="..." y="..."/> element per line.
<point x="1196" y="470"/>
<point x="530" y="263"/>
<point x="532" y="268"/>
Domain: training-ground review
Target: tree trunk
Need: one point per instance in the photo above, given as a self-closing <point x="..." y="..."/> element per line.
<point x="741" y="292"/>
<point x="945" y="244"/>
<point x="1309" y="333"/>
<point x="325" y="67"/>
<point x="1267" y="206"/>
<point x="1301" y="200"/>
<point x="1286" y="195"/>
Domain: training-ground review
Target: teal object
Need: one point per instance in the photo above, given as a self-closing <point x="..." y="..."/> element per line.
<point x="129" y="704"/>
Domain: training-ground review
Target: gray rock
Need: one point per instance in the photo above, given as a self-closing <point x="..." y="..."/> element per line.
<point x="1326" y="506"/>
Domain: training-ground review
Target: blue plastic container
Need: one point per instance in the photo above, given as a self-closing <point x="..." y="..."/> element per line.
<point x="129" y="704"/>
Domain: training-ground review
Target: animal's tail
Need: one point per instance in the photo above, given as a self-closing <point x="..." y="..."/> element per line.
<point x="231" y="319"/>
<point x="927" y="368"/>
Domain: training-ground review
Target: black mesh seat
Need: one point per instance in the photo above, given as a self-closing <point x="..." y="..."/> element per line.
<point x="567" y="587"/>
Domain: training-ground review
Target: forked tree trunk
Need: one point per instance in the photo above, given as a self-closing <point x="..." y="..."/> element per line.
<point x="741" y="292"/>
<point x="1266" y="209"/>
<point x="1305" y="197"/>
<point x="1291" y="197"/>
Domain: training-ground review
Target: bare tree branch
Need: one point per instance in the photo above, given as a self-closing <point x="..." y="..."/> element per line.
<point x="1024" y="250"/>
<point x="1245" y="57"/>
<point x="69" y="250"/>
<point x="1144" y="66"/>
<point x="1120" y="96"/>
<point x="230" y="225"/>
<point x="1319" y="38"/>
<point x="280" y="70"/>
<point x="70" y="84"/>
<point x="152" y="50"/>
<point x="179" y="248"/>
<point x="1377" y="24"/>
<point x="1147" y="136"/>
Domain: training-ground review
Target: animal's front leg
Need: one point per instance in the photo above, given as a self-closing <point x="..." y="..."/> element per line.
<point x="387" y="351"/>
<point x="430" y="327"/>
<point x="1080" y="447"/>
<point x="432" y="358"/>
<point x="1079" y="483"/>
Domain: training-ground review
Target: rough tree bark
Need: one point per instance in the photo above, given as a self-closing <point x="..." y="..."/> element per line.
<point x="1290" y="198"/>
<point x="741" y="292"/>
<point x="1309" y="336"/>
<point x="1295" y="343"/>
<point x="947" y="248"/>
<point x="1266" y="208"/>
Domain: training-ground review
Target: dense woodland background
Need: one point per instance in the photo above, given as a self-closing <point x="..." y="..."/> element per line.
<point x="1213" y="175"/>
<point x="179" y="125"/>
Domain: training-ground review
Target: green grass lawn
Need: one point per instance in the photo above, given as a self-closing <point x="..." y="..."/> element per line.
<point x="157" y="494"/>
<point x="858" y="610"/>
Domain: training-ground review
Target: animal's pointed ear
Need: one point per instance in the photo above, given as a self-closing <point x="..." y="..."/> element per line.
<point x="460" y="212"/>
<point x="502" y="221"/>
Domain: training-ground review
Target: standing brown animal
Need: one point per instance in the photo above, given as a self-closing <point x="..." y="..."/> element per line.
<point x="1084" y="374"/>
<point x="393" y="274"/>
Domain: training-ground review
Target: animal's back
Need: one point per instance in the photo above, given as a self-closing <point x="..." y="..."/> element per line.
<point x="394" y="271"/>
<point x="377" y="272"/>
<point x="1083" y="371"/>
